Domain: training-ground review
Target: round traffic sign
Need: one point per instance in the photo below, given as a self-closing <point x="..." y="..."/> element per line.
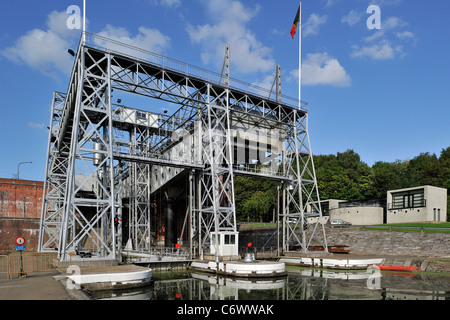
<point x="20" y="241"/>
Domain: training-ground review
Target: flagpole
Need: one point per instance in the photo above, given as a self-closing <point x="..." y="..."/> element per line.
<point x="84" y="21"/>
<point x="300" y="57"/>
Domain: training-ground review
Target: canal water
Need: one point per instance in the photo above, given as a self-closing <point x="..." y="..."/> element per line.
<point x="298" y="284"/>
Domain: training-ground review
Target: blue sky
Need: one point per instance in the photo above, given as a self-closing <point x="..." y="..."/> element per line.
<point x="383" y="92"/>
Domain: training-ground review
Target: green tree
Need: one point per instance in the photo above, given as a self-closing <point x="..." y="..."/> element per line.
<point x="255" y="198"/>
<point x="424" y="170"/>
<point x="344" y="176"/>
<point x="257" y="206"/>
<point x="444" y="165"/>
<point x="389" y="176"/>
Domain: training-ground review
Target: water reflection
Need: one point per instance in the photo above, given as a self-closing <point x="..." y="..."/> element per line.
<point x="299" y="284"/>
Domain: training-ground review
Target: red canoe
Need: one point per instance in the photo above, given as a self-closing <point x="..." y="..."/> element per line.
<point x="399" y="268"/>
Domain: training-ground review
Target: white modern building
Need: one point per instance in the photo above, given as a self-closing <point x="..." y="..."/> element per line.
<point x="418" y="204"/>
<point x="358" y="214"/>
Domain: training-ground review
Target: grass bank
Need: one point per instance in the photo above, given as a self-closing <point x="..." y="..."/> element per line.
<point x="412" y="227"/>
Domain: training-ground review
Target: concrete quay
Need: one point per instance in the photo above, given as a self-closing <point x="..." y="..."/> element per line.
<point x="74" y="283"/>
<point x="43" y="286"/>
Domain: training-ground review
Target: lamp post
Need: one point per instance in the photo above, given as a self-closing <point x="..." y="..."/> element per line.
<point x="18" y="169"/>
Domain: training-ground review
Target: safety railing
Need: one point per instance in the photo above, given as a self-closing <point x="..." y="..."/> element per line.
<point x="158" y="254"/>
<point x="259" y="253"/>
<point x="4" y="267"/>
<point x="263" y="170"/>
<point x="421" y="203"/>
<point x="26" y="263"/>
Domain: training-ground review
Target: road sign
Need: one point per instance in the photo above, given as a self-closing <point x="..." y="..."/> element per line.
<point x="20" y="241"/>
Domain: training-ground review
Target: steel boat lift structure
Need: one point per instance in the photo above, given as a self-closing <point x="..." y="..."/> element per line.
<point x="113" y="171"/>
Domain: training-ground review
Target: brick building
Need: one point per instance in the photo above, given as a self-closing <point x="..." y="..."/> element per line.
<point x="20" y="212"/>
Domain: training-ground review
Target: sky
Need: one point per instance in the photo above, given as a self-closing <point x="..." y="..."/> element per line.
<point x="383" y="92"/>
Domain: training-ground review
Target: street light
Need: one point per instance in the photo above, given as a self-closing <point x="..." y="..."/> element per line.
<point x="18" y="169"/>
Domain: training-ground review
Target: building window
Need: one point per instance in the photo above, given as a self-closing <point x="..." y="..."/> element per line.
<point x="213" y="239"/>
<point x="325" y="206"/>
<point x="408" y="199"/>
<point x="141" y="115"/>
<point x="229" y="239"/>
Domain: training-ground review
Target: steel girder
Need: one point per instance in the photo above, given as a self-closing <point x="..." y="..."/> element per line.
<point x="88" y="222"/>
<point x="140" y="223"/>
<point x="216" y="208"/>
<point x="85" y="135"/>
<point x="54" y="183"/>
<point x="301" y="201"/>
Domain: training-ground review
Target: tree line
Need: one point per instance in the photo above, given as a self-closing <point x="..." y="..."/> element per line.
<point x="344" y="176"/>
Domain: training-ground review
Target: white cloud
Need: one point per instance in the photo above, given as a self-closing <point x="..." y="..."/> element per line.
<point x="45" y="50"/>
<point x="311" y="27"/>
<point x="386" y="43"/>
<point x="171" y="3"/>
<point x="148" y="39"/>
<point x="381" y="51"/>
<point x="57" y="23"/>
<point x="322" y="69"/>
<point x="331" y="3"/>
<point x="266" y="82"/>
<point x="407" y="35"/>
<point x="41" y="50"/>
<point x="387" y="25"/>
<point x="36" y="125"/>
<point x="352" y="18"/>
<point x="392" y="23"/>
<point x="231" y="19"/>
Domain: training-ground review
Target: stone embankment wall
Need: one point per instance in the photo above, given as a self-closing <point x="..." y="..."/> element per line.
<point x="391" y="243"/>
<point x="367" y="242"/>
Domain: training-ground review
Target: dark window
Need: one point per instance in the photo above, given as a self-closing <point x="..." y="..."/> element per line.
<point x="229" y="239"/>
<point x="408" y="199"/>
<point x="141" y="115"/>
<point x="325" y="208"/>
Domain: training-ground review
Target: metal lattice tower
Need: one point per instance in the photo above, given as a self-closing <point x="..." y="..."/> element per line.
<point x="110" y="167"/>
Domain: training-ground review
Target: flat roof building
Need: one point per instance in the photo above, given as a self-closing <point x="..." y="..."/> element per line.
<point x="417" y="204"/>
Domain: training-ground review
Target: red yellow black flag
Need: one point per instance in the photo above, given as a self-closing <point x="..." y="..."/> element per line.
<point x="295" y="24"/>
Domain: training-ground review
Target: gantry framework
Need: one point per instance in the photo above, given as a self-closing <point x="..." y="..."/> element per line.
<point x="103" y="157"/>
